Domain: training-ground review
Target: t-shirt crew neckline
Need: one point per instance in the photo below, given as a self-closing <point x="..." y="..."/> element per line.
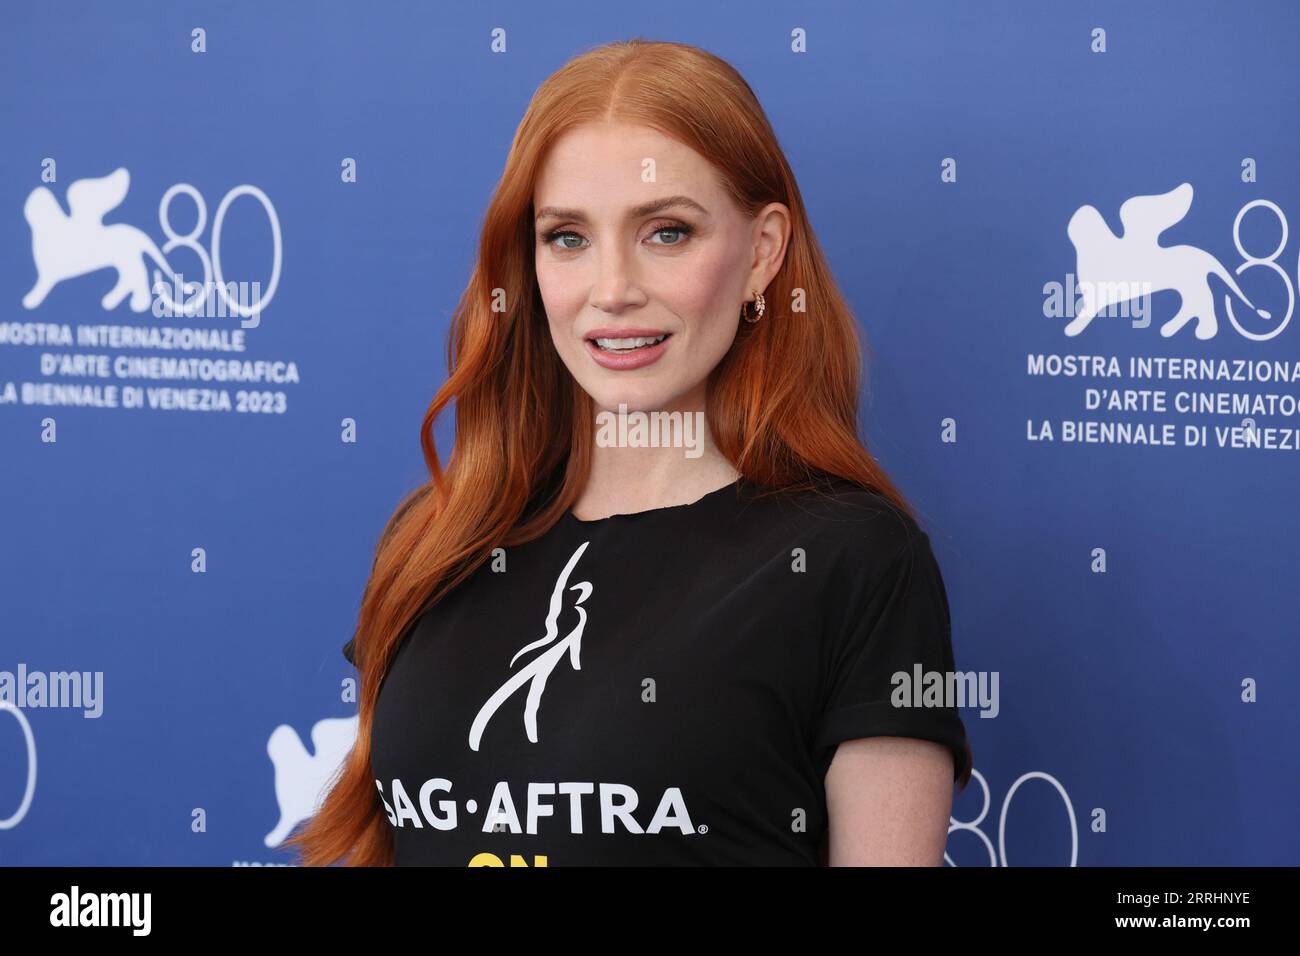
<point x="698" y="503"/>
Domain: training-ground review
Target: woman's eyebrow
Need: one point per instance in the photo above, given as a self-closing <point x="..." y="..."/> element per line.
<point x="636" y="212"/>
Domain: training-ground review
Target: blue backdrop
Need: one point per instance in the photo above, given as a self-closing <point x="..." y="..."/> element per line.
<point x="1137" y="599"/>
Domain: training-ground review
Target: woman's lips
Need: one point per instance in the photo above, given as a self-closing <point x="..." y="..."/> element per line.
<point x="634" y="358"/>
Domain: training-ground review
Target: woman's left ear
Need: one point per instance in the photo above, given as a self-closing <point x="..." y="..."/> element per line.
<point x="770" y="244"/>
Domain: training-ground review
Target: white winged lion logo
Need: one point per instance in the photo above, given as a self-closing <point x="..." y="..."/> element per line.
<point x="1111" y="268"/>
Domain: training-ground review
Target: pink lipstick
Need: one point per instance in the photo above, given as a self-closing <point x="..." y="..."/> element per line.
<point x="626" y="349"/>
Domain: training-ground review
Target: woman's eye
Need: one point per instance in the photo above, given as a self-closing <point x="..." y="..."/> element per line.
<point x="667" y="235"/>
<point x="550" y="239"/>
<point x="681" y="233"/>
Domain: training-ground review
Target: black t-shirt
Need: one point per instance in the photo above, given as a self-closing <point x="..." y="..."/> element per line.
<point x="661" y="688"/>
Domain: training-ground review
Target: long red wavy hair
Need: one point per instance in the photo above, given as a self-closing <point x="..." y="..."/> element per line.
<point x="782" y="404"/>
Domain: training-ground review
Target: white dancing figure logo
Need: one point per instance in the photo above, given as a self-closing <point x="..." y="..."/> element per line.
<point x="537" y="672"/>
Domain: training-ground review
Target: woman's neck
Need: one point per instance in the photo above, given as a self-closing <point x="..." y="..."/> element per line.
<point x="627" y="476"/>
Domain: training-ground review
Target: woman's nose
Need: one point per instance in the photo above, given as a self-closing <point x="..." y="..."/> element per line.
<point x="615" y="287"/>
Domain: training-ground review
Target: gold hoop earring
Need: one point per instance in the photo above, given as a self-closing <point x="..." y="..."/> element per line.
<point x="759" y="306"/>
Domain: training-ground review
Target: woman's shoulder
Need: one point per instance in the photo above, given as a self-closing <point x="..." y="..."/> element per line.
<point x="864" y="528"/>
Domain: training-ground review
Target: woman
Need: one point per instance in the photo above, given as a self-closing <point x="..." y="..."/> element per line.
<point x="594" y="642"/>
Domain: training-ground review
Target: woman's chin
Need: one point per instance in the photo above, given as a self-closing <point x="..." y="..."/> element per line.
<point x="634" y="397"/>
<point x="628" y="403"/>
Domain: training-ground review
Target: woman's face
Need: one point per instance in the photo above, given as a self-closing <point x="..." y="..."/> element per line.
<point x="643" y="262"/>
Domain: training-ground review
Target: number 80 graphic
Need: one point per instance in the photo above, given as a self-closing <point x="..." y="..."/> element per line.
<point x="10" y="822"/>
<point x="212" y="265"/>
<point x="1001" y="852"/>
<point x="1248" y="261"/>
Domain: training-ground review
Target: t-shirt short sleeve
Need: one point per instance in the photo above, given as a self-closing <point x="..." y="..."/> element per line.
<point x="349" y="649"/>
<point x="901" y="628"/>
